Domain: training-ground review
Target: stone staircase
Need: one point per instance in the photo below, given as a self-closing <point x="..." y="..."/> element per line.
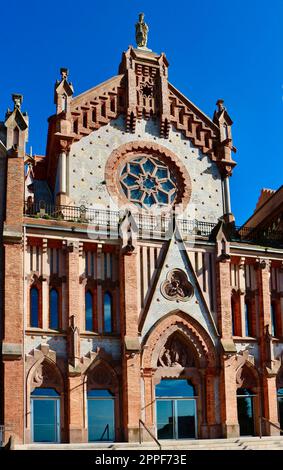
<point x="241" y="443"/>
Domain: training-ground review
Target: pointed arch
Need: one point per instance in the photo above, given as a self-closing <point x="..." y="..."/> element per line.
<point x="191" y="332"/>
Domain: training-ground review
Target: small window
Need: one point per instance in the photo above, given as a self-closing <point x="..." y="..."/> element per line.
<point x="108" y="313"/>
<point x="54" y="309"/>
<point x="34" y="307"/>
<point x="88" y="311"/>
<point x="248" y="322"/>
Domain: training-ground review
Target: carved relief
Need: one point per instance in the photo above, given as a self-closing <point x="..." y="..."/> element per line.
<point x="46" y="375"/>
<point x="177" y="286"/>
<point x="176" y="353"/>
<point x="245" y="378"/>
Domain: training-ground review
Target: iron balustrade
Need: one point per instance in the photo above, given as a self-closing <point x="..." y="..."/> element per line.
<point x="146" y="225"/>
<point x="142" y="424"/>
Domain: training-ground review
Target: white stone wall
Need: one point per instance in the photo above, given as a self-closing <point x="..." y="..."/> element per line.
<point x="56" y="343"/>
<point x="110" y="345"/>
<point x="196" y="306"/>
<point x="87" y="159"/>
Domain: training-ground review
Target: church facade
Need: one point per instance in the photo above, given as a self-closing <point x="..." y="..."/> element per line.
<point x="131" y="303"/>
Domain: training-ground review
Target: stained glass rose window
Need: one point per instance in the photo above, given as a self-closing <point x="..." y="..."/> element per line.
<point x="147" y="181"/>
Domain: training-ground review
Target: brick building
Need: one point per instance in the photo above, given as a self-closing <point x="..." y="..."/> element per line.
<point x="129" y="297"/>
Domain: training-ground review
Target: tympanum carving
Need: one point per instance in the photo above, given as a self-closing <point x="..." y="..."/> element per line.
<point x="177" y="286"/>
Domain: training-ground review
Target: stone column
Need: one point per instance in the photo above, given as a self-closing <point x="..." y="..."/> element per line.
<point x="228" y="378"/>
<point x="242" y="288"/>
<point x="148" y="412"/>
<point x="131" y="353"/>
<point x="268" y="364"/>
<point x="229" y="409"/>
<point x="211" y="402"/>
<point x="75" y="383"/>
<point x="45" y="286"/>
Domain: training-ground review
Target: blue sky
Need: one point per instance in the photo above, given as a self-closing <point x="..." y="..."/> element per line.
<point x="216" y="49"/>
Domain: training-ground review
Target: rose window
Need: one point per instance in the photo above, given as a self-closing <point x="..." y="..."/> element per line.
<point x="146" y="181"/>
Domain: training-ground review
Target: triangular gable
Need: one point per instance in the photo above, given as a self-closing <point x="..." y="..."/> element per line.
<point x="176" y="257"/>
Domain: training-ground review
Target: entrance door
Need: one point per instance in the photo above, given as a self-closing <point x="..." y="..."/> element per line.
<point x="245" y="411"/>
<point x="280" y="407"/>
<point x="45" y="415"/>
<point x="101" y="421"/>
<point x="176" y="410"/>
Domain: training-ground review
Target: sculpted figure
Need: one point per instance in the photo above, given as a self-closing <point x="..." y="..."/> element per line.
<point x="141" y="31"/>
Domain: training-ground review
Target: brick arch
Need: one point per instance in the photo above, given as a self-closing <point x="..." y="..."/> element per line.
<point x="247" y="377"/>
<point x="191" y="331"/>
<point x="101" y="375"/>
<point x="44" y="371"/>
<point x="128" y="151"/>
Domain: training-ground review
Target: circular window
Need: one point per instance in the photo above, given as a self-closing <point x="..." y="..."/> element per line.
<point x="146" y="181"/>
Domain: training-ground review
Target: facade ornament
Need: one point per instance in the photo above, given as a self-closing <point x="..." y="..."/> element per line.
<point x="128" y="231"/>
<point x="74" y="346"/>
<point x="175" y="354"/>
<point x="177" y="286"/>
<point x="17" y="99"/>
<point x="141" y="31"/>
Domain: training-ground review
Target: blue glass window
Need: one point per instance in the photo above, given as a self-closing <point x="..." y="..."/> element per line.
<point x="88" y="311"/>
<point x="248" y="329"/>
<point x="45" y="412"/>
<point x="34" y="307"/>
<point x="175" y="388"/>
<point x="101" y="420"/>
<point x="54" y="309"/>
<point x="147" y="181"/>
<point x="108" y="307"/>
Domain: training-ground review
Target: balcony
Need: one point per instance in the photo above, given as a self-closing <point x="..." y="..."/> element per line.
<point x="108" y="223"/>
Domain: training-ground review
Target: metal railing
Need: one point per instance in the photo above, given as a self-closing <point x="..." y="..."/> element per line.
<point x="4" y="431"/>
<point x="142" y="424"/>
<point x="106" y="430"/>
<point x="148" y="226"/>
<point x="265" y="420"/>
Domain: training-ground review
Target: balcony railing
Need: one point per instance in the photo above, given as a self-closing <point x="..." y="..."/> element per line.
<point x="108" y="223"/>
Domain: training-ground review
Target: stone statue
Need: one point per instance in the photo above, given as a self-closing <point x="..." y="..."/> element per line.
<point x="141" y="32"/>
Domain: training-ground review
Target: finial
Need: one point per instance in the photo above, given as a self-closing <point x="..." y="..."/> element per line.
<point x="17" y="99"/>
<point x="220" y="104"/>
<point x="141" y="32"/>
<point x="64" y="73"/>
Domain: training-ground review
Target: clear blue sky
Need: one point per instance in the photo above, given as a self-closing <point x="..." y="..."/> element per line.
<point x="216" y="49"/>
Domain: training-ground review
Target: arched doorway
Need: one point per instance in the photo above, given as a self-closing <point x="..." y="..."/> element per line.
<point x="45" y="415"/>
<point x="247" y="400"/>
<point x="101" y="415"/>
<point x="45" y="402"/>
<point x="102" y="393"/>
<point x="179" y="353"/>
<point x="246" y="415"/>
<point x="176" y="410"/>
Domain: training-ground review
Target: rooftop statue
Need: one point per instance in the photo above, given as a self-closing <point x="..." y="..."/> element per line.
<point x="141" y="31"/>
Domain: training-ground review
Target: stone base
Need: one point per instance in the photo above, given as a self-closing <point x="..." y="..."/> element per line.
<point x="133" y="434"/>
<point x="76" y="435"/>
<point x="231" y="430"/>
<point x="269" y="430"/>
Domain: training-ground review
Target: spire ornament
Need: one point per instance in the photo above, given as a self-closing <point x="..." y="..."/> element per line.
<point x="141" y="32"/>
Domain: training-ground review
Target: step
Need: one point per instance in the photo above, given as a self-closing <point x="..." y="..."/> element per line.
<point x="241" y="443"/>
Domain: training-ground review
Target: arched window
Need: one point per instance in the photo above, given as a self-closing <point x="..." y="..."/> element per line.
<point x="107" y="313"/>
<point x="34" y="307"/>
<point x="54" y="309"/>
<point x="274" y="331"/>
<point x="88" y="311"/>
